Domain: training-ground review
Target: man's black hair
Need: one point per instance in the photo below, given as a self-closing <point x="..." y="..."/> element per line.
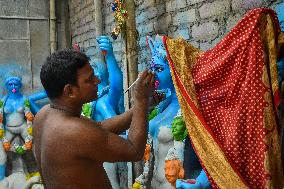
<point x="59" y="69"/>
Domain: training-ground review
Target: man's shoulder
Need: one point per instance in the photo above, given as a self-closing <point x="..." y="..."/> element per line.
<point x="78" y="123"/>
<point x="40" y="117"/>
<point x="42" y="112"/>
<point x="62" y="125"/>
<point x="78" y="130"/>
<point x="84" y="122"/>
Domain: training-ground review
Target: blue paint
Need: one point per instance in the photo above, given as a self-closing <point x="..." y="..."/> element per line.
<point x="280" y="12"/>
<point x="169" y="107"/>
<point x="202" y="182"/>
<point x="13" y="85"/>
<point x="280" y="65"/>
<point x="2" y="172"/>
<point x="33" y="98"/>
<point x="110" y="88"/>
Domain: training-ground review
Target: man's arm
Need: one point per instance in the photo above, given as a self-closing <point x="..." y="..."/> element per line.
<point x="119" y="123"/>
<point x="99" y="144"/>
<point x="111" y="122"/>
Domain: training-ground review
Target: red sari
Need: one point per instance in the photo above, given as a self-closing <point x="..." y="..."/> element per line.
<point x="229" y="96"/>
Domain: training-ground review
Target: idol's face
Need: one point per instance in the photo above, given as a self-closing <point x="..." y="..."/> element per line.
<point x="162" y="72"/>
<point x="171" y="170"/>
<point x="13" y="84"/>
<point x="101" y="72"/>
<point x="159" y="63"/>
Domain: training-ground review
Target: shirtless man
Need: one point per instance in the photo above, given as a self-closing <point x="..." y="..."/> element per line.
<point x="70" y="149"/>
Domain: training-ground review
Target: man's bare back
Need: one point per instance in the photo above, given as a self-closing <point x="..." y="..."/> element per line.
<point x="58" y="155"/>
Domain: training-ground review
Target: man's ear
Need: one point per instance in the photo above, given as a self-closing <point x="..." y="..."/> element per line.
<point x="69" y="91"/>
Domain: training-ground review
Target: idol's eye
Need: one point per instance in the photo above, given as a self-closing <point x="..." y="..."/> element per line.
<point x="152" y="68"/>
<point x="158" y="68"/>
<point x="10" y="84"/>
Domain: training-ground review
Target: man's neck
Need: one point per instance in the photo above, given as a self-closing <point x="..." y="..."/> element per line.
<point x="68" y="108"/>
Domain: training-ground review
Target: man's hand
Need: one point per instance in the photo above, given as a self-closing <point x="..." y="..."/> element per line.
<point x="144" y="89"/>
<point x="157" y="98"/>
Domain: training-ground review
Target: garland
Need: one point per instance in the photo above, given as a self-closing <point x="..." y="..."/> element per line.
<point x="19" y="149"/>
<point x="140" y="182"/>
<point x="120" y="15"/>
<point x="153" y="114"/>
<point x="87" y="110"/>
<point x="179" y="130"/>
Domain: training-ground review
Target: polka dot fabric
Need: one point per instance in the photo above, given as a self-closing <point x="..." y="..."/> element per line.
<point x="228" y="81"/>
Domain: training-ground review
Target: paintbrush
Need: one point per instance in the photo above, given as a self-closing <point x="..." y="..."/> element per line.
<point x="130" y="86"/>
<point x="134" y="83"/>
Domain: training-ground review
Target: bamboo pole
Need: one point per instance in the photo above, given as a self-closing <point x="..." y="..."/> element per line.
<point x="131" y="42"/>
<point x="52" y="26"/>
<point x="98" y="17"/>
<point x="65" y="25"/>
<point x="132" y="63"/>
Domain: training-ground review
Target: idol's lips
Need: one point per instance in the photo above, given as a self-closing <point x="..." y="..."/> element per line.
<point x="157" y="83"/>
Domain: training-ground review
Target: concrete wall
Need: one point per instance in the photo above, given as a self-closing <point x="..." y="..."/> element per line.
<point x="201" y="22"/>
<point x="24" y="40"/>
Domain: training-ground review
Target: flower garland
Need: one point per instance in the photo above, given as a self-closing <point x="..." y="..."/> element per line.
<point x="140" y="182"/>
<point x="87" y="110"/>
<point x="153" y="114"/>
<point x="1" y="119"/>
<point x="120" y="15"/>
<point x="19" y="149"/>
<point x="179" y="130"/>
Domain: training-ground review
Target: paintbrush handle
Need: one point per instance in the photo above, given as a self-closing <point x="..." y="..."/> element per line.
<point x="131" y="86"/>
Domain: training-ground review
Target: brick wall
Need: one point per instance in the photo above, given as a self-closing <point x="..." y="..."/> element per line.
<point x="82" y="22"/>
<point x="201" y="22"/>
